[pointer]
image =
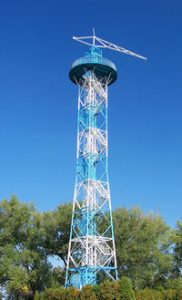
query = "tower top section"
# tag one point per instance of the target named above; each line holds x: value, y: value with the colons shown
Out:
x: 93, y: 60
x: 104, y: 69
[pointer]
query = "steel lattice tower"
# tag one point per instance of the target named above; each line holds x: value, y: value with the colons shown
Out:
x: 91, y: 253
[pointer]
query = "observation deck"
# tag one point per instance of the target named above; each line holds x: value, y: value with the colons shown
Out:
x: 103, y: 68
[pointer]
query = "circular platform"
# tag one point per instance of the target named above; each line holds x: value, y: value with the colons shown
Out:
x: 103, y: 69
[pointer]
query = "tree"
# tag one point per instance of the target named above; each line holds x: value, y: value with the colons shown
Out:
x: 178, y: 250
x: 24, y: 267
x: 58, y: 277
x: 14, y: 218
x: 56, y: 231
x: 143, y: 247
x: 27, y: 239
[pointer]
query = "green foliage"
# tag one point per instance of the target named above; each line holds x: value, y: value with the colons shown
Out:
x: 126, y: 290
x: 88, y: 293
x: 58, y: 277
x: 24, y: 265
x: 72, y: 294
x: 143, y: 247
x: 14, y: 218
x: 37, y: 296
x: 178, y: 250
x: 179, y: 294
x: 54, y: 294
x: 149, y: 294
x: 56, y: 230
x: 174, y: 283
x: 108, y: 290
x: 169, y: 294
x: 61, y: 294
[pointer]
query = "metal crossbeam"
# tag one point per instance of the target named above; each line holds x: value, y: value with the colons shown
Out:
x: 95, y: 41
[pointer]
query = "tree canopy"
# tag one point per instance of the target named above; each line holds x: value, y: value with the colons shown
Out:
x: 143, y: 244
x: 149, y: 252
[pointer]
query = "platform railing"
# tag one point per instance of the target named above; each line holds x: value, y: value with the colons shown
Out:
x: 93, y: 60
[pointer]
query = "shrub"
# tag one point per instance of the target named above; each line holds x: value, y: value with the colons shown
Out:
x: 149, y: 294
x: 71, y: 294
x: 169, y: 294
x: 38, y: 296
x: 126, y: 290
x: 174, y: 283
x: 55, y: 294
x: 108, y: 290
x: 88, y: 293
x: 179, y: 294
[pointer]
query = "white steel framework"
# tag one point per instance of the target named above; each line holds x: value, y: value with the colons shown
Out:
x: 91, y: 247
x: 92, y: 253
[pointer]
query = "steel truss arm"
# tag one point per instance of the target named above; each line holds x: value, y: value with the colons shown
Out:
x: 101, y: 43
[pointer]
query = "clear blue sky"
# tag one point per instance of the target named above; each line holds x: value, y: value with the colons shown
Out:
x: 38, y: 103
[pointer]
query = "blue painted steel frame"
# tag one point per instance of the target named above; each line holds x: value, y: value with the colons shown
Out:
x: 84, y: 219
